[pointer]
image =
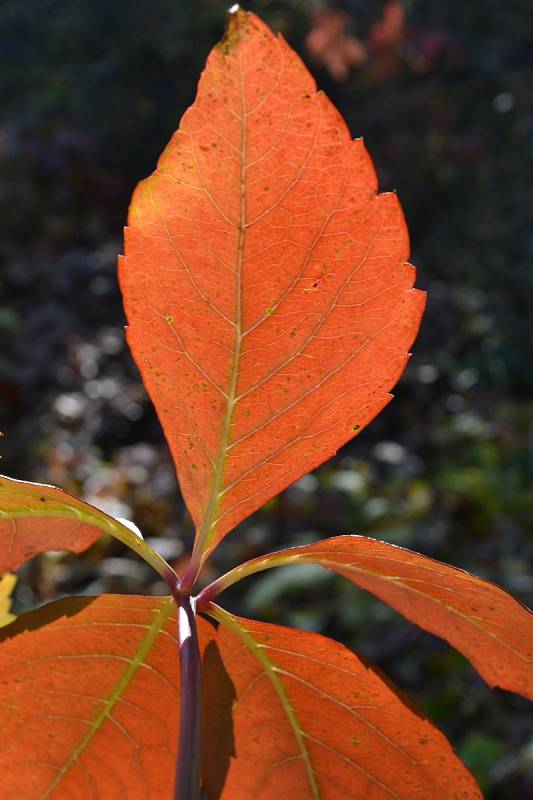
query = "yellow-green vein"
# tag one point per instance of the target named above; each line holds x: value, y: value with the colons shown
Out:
x: 153, y: 631
x: 230, y: 622
x: 207, y: 530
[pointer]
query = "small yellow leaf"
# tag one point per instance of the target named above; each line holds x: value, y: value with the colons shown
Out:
x: 7, y: 584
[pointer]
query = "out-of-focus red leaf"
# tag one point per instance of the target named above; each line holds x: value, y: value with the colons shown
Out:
x: 386, y: 38
x: 90, y: 703
x: 390, y: 30
x: 479, y: 619
x: 331, y: 46
x: 269, y: 303
x: 35, y: 518
x: 311, y: 720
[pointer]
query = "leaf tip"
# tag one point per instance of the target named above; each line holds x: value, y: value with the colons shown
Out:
x: 236, y: 23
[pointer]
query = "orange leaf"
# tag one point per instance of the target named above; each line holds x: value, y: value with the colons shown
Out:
x: 310, y: 721
x: 269, y: 304
x: 90, y: 701
x: 35, y: 518
x: 479, y: 619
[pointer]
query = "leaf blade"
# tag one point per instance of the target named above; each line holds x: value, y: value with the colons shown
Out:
x: 36, y: 517
x: 262, y: 278
x: 375, y: 739
x: 492, y: 629
x: 90, y: 700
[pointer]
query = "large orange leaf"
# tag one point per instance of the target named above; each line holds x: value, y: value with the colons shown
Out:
x: 90, y: 703
x: 483, y: 622
x: 312, y: 722
x: 269, y: 303
x: 35, y: 518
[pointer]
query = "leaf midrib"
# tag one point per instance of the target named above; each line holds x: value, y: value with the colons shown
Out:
x: 400, y: 582
x: 270, y: 670
x: 207, y: 530
x: 102, y: 523
x: 335, y: 566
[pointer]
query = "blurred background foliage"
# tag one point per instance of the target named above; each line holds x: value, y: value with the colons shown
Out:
x: 443, y: 94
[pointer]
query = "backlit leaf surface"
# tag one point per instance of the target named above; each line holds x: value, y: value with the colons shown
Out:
x: 90, y: 703
x: 483, y: 622
x: 312, y: 722
x: 35, y: 518
x: 269, y: 303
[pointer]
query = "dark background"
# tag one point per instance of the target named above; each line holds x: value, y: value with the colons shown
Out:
x: 442, y: 92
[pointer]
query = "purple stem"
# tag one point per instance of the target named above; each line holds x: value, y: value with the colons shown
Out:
x: 190, y: 741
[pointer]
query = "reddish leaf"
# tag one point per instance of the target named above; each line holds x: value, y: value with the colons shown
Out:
x: 35, y: 518
x: 331, y: 46
x: 90, y: 701
x: 391, y: 30
x: 483, y: 622
x: 269, y: 304
x: 311, y: 721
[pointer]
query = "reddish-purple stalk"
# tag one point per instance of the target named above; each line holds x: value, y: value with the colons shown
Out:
x: 189, y: 755
x: 191, y: 573
x: 187, y: 786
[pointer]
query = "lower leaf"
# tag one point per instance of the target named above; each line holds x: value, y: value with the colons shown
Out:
x: 312, y: 722
x: 89, y: 697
